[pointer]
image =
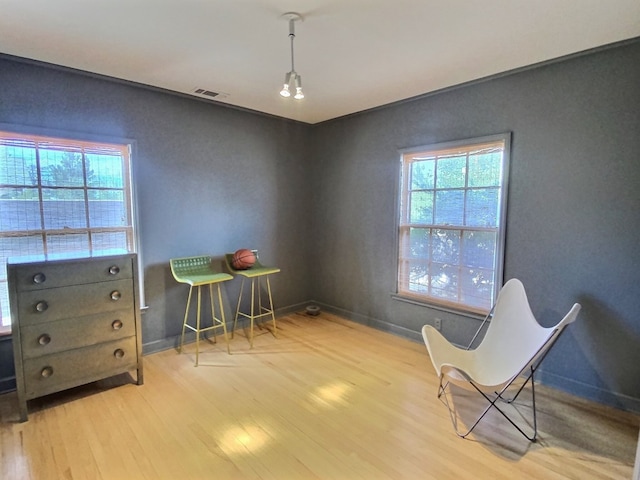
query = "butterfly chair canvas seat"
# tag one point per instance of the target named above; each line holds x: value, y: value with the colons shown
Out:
x: 513, y: 346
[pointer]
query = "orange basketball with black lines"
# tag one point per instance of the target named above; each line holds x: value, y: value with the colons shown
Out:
x: 243, y: 259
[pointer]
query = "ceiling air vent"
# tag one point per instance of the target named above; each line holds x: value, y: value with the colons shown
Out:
x: 203, y: 92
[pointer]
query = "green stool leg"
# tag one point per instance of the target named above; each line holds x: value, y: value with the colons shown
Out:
x: 253, y: 314
x: 213, y: 312
x: 273, y: 316
x: 235, y: 321
x: 224, y: 322
x: 198, y: 326
x: 184, y: 323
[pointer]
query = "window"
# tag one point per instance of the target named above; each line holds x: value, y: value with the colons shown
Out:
x: 60, y: 197
x: 452, y: 223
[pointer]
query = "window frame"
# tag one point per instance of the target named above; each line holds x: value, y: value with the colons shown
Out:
x: 82, y: 141
x: 403, y: 226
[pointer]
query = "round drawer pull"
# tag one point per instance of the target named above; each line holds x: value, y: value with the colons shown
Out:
x: 39, y: 278
x: 44, y: 339
x: 41, y: 306
x: 116, y: 324
x: 115, y: 295
x: 114, y: 270
x: 46, y: 372
x: 119, y: 353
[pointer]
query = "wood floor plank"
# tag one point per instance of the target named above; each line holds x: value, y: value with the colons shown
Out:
x: 327, y: 399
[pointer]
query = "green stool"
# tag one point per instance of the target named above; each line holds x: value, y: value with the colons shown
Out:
x: 197, y: 272
x: 255, y: 273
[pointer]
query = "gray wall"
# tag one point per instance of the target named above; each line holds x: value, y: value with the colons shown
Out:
x: 320, y: 201
x: 209, y: 180
x: 573, y: 209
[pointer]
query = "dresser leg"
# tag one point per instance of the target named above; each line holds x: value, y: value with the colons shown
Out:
x: 22, y: 407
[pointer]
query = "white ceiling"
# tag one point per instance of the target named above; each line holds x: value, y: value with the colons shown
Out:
x: 352, y: 54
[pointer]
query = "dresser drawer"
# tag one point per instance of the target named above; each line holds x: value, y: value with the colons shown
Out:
x: 53, y: 304
x: 37, y: 276
x: 58, y: 371
x: 52, y: 337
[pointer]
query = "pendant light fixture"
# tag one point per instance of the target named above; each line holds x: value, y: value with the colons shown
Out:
x: 292, y: 80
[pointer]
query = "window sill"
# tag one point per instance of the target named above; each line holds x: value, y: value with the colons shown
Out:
x: 441, y: 308
x: 5, y: 331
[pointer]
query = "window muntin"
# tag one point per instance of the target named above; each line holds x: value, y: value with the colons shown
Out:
x: 60, y: 197
x: 452, y: 223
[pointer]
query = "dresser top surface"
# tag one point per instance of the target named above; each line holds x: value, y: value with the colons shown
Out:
x: 69, y: 256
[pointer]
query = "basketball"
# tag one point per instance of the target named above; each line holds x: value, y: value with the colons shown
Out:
x: 243, y: 259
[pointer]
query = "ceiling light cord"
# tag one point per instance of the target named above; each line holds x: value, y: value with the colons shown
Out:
x: 292, y: 36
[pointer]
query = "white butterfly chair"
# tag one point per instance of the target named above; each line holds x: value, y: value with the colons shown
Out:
x: 514, y: 345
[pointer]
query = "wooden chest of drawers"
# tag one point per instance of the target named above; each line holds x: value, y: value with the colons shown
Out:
x: 74, y: 321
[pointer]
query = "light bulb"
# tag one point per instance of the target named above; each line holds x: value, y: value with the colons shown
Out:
x: 298, y: 83
x: 285, y: 91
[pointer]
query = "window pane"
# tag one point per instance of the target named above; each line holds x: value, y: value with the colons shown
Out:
x: 63, y: 208
x: 108, y: 240
x: 19, y: 209
x: 449, y: 207
x: 446, y: 246
x: 418, y: 277
x: 482, y: 207
x: 451, y: 172
x: 485, y: 169
x: 422, y: 174
x: 19, y: 246
x: 421, y: 207
x: 106, y: 171
x: 61, y: 169
x: 68, y: 243
x: 444, y: 281
x: 479, y: 249
x: 18, y: 165
x: 107, y: 208
x: 419, y: 242
x: 476, y: 287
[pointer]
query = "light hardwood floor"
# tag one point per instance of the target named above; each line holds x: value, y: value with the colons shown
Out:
x: 328, y: 399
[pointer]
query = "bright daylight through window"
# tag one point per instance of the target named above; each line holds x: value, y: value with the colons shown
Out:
x: 61, y: 197
x: 452, y: 223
